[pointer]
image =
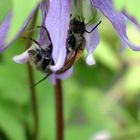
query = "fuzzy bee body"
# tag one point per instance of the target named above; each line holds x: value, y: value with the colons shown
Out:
x: 75, y: 39
x: 41, y: 55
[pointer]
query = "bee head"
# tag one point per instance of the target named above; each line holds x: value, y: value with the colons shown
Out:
x: 77, y: 26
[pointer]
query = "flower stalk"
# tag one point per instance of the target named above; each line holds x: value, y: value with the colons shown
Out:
x: 31, y: 82
x: 59, y: 110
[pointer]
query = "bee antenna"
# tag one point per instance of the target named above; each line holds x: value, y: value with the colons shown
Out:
x: 40, y: 80
x: 32, y: 40
x: 94, y: 27
x: 43, y: 27
x: 46, y: 76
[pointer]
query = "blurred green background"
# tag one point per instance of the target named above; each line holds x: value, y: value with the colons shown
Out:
x: 103, y: 97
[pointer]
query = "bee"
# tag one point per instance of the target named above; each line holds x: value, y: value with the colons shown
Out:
x: 75, y: 42
x: 41, y: 55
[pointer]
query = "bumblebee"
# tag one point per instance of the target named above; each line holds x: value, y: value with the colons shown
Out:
x: 75, y: 42
x: 41, y: 55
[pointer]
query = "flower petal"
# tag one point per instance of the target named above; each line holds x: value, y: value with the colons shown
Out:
x: 22, y: 58
x: 3, y: 46
x: 117, y: 19
x: 4, y: 29
x: 131, y: 19
x: 52, y: 78
x: 92, y: 40
x: 65, y: 74
x: 90, y: 60
x: 43, y: 37
x: 57, y: 22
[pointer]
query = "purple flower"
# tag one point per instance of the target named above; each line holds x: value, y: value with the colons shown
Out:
x: 118, y: 21
x: 3, y: 30
x: 57, y: 20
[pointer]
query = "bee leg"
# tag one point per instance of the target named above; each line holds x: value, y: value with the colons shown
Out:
x: 43, y: 27
x: 94, y: 27
x: 40, y: 80
x: 32, y: 40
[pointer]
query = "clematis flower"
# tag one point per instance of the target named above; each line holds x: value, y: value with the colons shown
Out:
x: 118, y: 21
x: 56, y: 19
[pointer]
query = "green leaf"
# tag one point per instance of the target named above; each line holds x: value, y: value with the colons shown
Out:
x: 5, y: 6
x: 133, y: 34
x: 119, y: 4
x: 11, y: 125
x: 107, y: 56
x: 22, y: 9
x: 13, y: 76
x: 132, y: 7
x: 132, y: 83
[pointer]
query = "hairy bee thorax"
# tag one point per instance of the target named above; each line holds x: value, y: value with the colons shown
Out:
x: 75, y: 39
x: 77, y: 26
x: 41, y: 56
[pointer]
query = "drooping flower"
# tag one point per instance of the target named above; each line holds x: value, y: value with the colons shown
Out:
x: 118, y: 21
x: 56, y: 19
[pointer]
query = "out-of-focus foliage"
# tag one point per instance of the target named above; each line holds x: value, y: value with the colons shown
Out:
x: 102, y: 97
x: 5, y: 6
x: 132, y: 7
x: 21, y: 11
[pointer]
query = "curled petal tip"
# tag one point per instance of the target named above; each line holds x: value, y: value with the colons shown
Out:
x: 58, y: 14
x: 59, y: 64
x: 90, y: 60
x: 54, y: 68
x: 22, y: 58
x: 117, y: 19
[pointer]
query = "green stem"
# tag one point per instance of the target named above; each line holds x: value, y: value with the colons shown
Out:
x: 59, y: 109
x: 34, y: 102
x: 31, y: 82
